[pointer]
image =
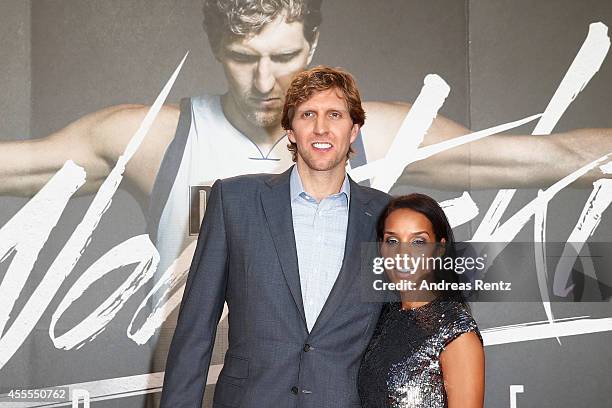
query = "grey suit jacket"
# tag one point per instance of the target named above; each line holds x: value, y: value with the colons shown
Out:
x: 246, y: 255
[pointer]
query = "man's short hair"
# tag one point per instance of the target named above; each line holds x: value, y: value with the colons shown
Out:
x: 239, y: 18
x: 318, y: 79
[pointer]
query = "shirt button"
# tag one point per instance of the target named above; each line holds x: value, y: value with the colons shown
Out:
x: 294, y: 390
x: 307, y: 347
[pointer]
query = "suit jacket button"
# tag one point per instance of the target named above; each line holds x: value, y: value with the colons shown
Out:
x: 294, y: 390
x: 307, y: 347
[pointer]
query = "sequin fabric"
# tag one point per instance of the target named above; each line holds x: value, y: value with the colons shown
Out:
x: 401, y: 366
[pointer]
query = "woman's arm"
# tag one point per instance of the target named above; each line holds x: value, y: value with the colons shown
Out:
x: 463, y: 366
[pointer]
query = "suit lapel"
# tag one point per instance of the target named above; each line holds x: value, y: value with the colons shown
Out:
x: 359, y: 224
x: 277, y: 207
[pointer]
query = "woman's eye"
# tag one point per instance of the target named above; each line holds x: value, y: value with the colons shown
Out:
x: 392, y: 241
x: 419, y: 241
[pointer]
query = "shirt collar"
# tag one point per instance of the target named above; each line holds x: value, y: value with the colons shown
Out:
x: 296, y: 187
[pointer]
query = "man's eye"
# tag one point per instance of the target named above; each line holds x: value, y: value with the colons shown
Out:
x: 335, y: 115
x: 308, y: 114
x: 283, y: 57
x: 242, y: 58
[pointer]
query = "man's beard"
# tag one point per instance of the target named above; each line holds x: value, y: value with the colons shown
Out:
x: 257, y: 115
x: 265, y: 118
x: 312, y: 163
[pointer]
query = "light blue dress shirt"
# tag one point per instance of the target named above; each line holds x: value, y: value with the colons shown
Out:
x: 320, y: 237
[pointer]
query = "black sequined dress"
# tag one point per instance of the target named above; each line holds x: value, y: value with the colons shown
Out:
x: 401, y: 366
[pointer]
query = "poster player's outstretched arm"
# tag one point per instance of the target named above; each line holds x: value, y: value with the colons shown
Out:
x: 497, y: 161
x: 94, y: 142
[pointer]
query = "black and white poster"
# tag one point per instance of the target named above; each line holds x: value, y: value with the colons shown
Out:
x: 118, y: 115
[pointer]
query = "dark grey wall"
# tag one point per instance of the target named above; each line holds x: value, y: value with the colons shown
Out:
x: 15, y: 79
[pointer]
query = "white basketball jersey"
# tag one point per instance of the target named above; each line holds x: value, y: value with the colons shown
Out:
x: 213, y: 149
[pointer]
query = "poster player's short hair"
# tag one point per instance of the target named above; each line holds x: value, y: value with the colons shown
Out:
x: 239, y: 18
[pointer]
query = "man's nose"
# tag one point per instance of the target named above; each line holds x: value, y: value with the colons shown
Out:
x: 321, y: 125
x: 264, y: 77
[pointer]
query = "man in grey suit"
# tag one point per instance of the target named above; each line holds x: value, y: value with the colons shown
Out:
x: 284, y: 252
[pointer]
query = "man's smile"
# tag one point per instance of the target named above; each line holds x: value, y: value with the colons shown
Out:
x: 322, y: 146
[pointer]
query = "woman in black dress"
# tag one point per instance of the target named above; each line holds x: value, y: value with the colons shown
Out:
x: 426, y: 351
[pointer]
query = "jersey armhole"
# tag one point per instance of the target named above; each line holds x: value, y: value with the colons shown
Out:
x: 168, y: 169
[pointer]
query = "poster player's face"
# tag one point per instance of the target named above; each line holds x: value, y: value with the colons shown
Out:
x: 259, y: 69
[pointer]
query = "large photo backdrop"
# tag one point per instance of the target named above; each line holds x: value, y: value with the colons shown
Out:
x: 86, y: 306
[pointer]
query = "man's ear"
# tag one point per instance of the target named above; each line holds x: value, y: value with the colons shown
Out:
x: 313, y: 47
x: 354, y: 132
x: 290, y: 136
